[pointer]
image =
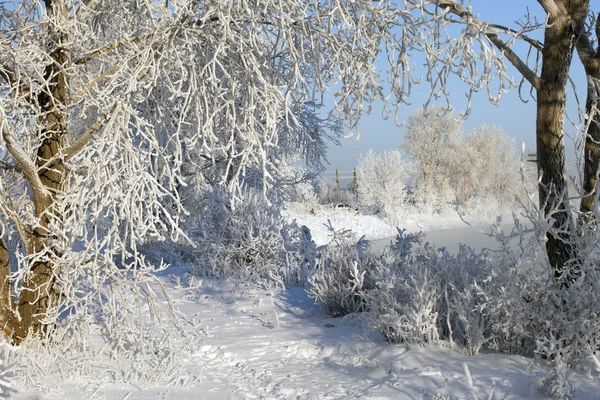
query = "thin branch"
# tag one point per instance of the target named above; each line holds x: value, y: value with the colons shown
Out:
x: 131, y: 40
x: 457, y: 9
x: 536, y: 44
x: 12, y: 80
x: 25, y: 236
x: 93, y: 83
x: 76, y: 147
x: 112, y: 46
x: 8, y: 75
x: 6, y: 166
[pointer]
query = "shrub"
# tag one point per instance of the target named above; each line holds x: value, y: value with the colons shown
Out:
x: 342, y: 275
x: 249, y: 240
x: 419, y: 294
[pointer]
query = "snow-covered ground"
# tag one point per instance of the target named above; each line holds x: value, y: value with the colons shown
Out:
x: 257, y: 343
x: 442, y: 231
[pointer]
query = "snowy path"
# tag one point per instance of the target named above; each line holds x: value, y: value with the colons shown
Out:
x: 275, y: 344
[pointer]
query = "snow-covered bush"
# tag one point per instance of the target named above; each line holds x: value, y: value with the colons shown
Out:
x: 326, y: 192
x: 426, y: 295
x: 421, y: 294
x: 342, y: 275
x: 249, y: 239
x: 382, y: 180
x: 405, y: 297
x: 304, y: 192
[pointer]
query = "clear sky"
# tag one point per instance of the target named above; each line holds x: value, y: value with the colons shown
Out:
x: 515, y: 117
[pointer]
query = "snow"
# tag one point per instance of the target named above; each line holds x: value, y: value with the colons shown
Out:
x: 258, y: 343
x: 448, y: 230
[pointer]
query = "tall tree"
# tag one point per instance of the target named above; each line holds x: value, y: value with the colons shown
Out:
x: 106, y: 105
x: 548, y: 76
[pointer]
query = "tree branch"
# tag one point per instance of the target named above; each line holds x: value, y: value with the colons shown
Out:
x: 76, y: 147
x: 550, y: 7
x: 10, y: 167
x: 452, y: 7
x: 93, y: 83
x: 116, y: 45
x: 12, y: 80
x: 112, y: 46
x: 40, y: 193
x: 515, y: 60
x: 25, y: 236
x: 536, y: 44
x: 587, y: 54
x: 8, y: 75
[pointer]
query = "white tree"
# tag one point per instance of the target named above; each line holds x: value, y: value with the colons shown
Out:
x: 428, y: 138
x: 383, y: 180
x: 484, y: 163
x: 107, y: 106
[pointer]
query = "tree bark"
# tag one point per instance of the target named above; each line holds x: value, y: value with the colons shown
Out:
x: 560, y: 37
x: 592, y: 141
x: 590, y: 58
x: 38, y: 293
x: 8, y: 320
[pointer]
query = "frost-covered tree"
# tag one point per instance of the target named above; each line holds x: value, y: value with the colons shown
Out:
x: 428, y: 139
x: 106, y: 106
x: 484, y: 163
x: 488, y: 47
x: 383, y: 180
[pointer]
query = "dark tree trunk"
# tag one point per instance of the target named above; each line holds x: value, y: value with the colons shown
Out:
x: 560, y: 37
x: 590, y: 58
x: 592, y: 149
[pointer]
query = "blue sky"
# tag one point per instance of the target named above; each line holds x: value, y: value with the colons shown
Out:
x: 515, y: 117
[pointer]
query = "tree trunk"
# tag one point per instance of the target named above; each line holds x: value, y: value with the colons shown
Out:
x: 559, y: 42
x: 592, y: 150
x: 8, y: 320
x: 38, y: 293
x: 590, y: 58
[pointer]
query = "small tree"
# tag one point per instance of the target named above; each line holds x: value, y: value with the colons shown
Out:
x: 428, y: 138
x: 484, y: 163
x: 382, y: 180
